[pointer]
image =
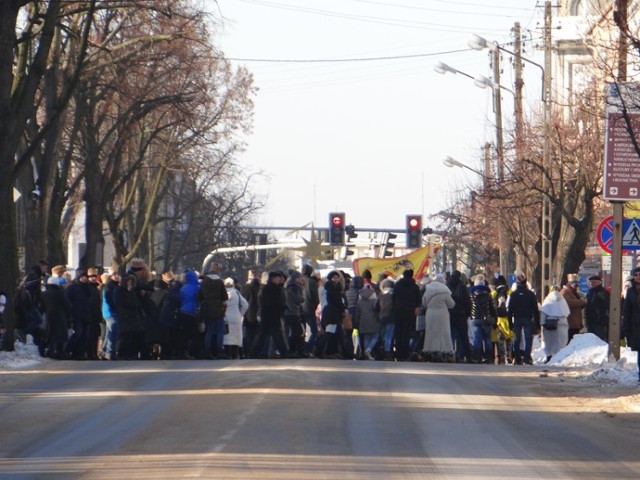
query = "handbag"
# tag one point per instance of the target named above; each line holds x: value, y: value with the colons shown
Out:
x: 347, y: 321
x: 551, y: 323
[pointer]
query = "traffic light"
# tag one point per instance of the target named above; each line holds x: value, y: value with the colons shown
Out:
x: 414, y: 231
x: 336, y: 229
x: 260, y: 256
x: 351, y: 232
x: 387, y: 252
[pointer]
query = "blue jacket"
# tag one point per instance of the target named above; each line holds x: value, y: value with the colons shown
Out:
x: 189, y: 293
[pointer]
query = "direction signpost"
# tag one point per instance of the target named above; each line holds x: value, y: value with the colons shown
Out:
x: 621, y: 170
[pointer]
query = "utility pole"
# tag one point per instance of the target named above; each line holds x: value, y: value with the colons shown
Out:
x: 497, y: 105
x: 519, y: 120
x: 519, y: 83
x: 547, y: 231
x: 621, y: 19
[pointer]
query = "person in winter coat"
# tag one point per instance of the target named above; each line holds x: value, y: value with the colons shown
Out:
x: 555, y: 326
x: 58, y: 312
x: 525, y: 316
x: 332, y: 313
x: 484, y: 320
x: 503, y: 334
x: 168, y: 319
x: 80, y: 295
x: 150, y: 311
x: 188, y: 316
x: 309, y: 306
x: 29, y: 307
x: 368, y: 320
x: 273, y: 303
x: 132, y: 328
x: 251, y: 326
x: 576, y: 303
x: 237, y: 306
x: 597, y: 309
x: 294, y: 290
x: 406, y: 305
x: 110, y: 315
x: 213, y: 296
x: 458, y: 317
x: 631, y: 315
x: 437, y: 300
x: 352, y: 294
x: 417, y: 338
x: 384, y: 306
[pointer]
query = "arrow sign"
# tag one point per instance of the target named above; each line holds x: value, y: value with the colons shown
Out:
x: 630, y: 234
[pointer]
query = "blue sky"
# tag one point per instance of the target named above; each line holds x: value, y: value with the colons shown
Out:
x: 364, y: 136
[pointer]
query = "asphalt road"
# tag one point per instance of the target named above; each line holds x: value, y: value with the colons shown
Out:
x: 308, y: 419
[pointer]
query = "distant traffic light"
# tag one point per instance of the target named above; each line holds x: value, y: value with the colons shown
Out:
x: 351, y: 232
x: 414, y: 231
x: 336, y: 229
x: 260, y: 256
x: 388, y: 246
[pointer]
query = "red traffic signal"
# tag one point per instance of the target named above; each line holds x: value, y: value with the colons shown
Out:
x: 414, y: 231
x: 336, y: 229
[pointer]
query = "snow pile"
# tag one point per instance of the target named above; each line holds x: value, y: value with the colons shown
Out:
x: 584, y: 350
x: 25, y: 355
x: 588, y: 351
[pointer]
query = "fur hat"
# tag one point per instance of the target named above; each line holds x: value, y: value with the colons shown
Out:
x: 58, y: 270
x: 228, y: 282
x: 479, y: 280
x: 572, y: 278
x: 595, y: 277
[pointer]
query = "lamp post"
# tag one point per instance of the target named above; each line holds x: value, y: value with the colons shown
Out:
x: 478, y: 43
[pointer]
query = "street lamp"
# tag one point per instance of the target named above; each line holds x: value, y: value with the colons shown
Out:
x: 452, y: 162
x: 478, y: 43
x: 443, y: 68
x: 484, y: 82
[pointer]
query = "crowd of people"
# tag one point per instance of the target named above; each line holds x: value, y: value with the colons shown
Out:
x: 133, y: 314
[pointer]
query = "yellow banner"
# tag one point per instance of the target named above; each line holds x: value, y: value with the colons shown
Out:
x: 418, y: 261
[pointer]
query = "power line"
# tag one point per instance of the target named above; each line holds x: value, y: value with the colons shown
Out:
x: 336, y: 60
x: 367, y: 18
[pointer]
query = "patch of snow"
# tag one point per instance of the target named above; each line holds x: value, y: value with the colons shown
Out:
x: 25, y: 355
